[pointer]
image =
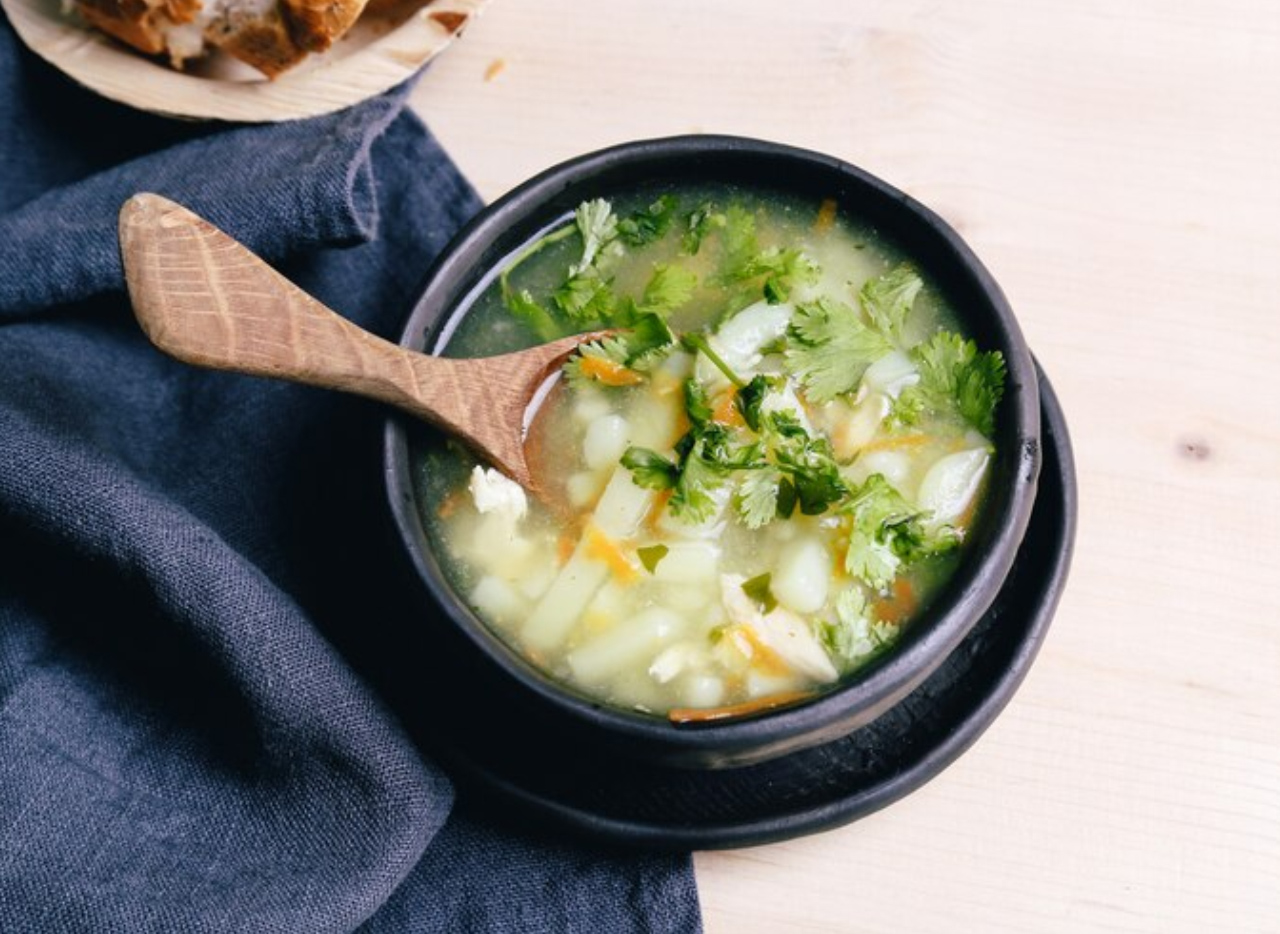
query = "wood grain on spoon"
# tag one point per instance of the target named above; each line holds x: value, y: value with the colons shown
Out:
x: 205, y: 299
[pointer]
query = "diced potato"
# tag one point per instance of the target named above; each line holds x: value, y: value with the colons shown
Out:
x: 536, y: 581
x: 951, y: 483
x: 802, y: 574
x: 495, y: 599
x: 688, y: 562
x: 701, y: 690
x: 759, y: 684
x: 895, y: 466
x: 653, y: 421
x: 605, y: 441
x: 676, y: 658
x: 583, y: 488
x: 496, y: 545
x: 631, y: 643
x: 622, y: 506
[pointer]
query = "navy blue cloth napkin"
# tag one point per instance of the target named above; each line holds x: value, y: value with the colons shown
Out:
x: 207, y: 717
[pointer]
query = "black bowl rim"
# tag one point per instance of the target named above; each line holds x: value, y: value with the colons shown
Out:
x: 776, y: 732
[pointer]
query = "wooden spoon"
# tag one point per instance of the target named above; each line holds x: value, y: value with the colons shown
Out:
x: 205, y: 299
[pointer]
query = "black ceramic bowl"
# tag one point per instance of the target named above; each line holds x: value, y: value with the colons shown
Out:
x: 509, y: 700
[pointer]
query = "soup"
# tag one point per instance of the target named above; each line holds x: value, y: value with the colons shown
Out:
x: 759, y: 481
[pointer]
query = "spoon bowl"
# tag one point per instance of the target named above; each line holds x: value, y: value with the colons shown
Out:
x: 206, y: 299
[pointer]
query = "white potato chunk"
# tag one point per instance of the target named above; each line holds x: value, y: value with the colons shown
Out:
x: 589, y: 404
x: 894, y: 466
x: 701, y: 691
x: 739, y: 340
x: 951, y: 483
x: 801, y: 575
x: 497, y: 600
x: 891, y: 374
x: 759, y: 684
x: 583, y: 488
x: 688, y: 562
x: 632, y: 643
x: 622, y: 505
x: 604, y: 441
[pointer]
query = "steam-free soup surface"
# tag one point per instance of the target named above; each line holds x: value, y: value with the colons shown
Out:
x: 765, y: 477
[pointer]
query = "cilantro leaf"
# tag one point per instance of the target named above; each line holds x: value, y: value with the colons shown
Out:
x: 954, y: 372
x: 829, y: 348
x: 758, y: 590
x: 696, y: 404
x: 886, y: 300
x: 647, y: 340
x: 650, y: 555
x: 668, y: 289
x: 585, y: 297
x: 698, y: 225
x: 783, y: 270
x: 694, y: 500
x: 523, y: 305
x: 650, y: 469
x: 627, y: 354
x: 853, y: 637
x: 888, y: 532
x: 808, y: 462
x: 648, y: 224
x: 598, y: 226
x: 720, y: 449
x: 751, y: 396
x: 756, y: 498
x: 739, y: 238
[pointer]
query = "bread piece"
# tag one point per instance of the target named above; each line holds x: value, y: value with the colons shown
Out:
x: 270, y: 35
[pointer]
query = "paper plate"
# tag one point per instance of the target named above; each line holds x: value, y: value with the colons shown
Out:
x: 385, y: 47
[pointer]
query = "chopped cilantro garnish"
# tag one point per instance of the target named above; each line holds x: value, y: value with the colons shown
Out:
x: 694, y: 499
x: 698, y: 224
x: 585, y: 297
x: 650, y: 469
x: 758, y: 590
x: 631, y: 352
x: 523, y: 305
x: 886, y: 300
x: 953, y: 371
x: 696, y: 404
x: 782, y: 270
x: 751, y: 396
x: 650, y: 555
x: 888, y: 532
x: 853, y: 636
x: 598, y: 226
x: 739, y: 238
x: 648, y: 224
x: 668, y: 289
x: 756, y: 498
x: 830, y: 348
x: 808, y: 462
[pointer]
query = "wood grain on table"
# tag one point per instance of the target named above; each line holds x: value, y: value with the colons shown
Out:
x: 1118, y: 169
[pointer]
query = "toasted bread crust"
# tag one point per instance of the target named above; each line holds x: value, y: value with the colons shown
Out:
x: 271, y: 42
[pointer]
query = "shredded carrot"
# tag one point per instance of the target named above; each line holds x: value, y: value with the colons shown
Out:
x: 826, y: 216
x: 900, y: 605
x: 725, y: 412
x: 449, y: 505
x: 896, y: 442
x: 682, y: 715
x: 760, y: 655
x: 565, y: 545
x: 608, y: 372
x: 496, y: 67
x: 656, y: 509
x: 604, y: 549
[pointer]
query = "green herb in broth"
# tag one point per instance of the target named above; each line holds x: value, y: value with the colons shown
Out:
x: 771, y: 468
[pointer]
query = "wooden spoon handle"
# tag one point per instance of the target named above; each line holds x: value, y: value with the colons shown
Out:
x: 206, y: 299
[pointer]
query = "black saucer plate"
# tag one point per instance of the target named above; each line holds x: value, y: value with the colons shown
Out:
x: 624, y: 801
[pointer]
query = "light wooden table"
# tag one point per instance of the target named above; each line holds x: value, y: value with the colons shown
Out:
x: 1117, y: 166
